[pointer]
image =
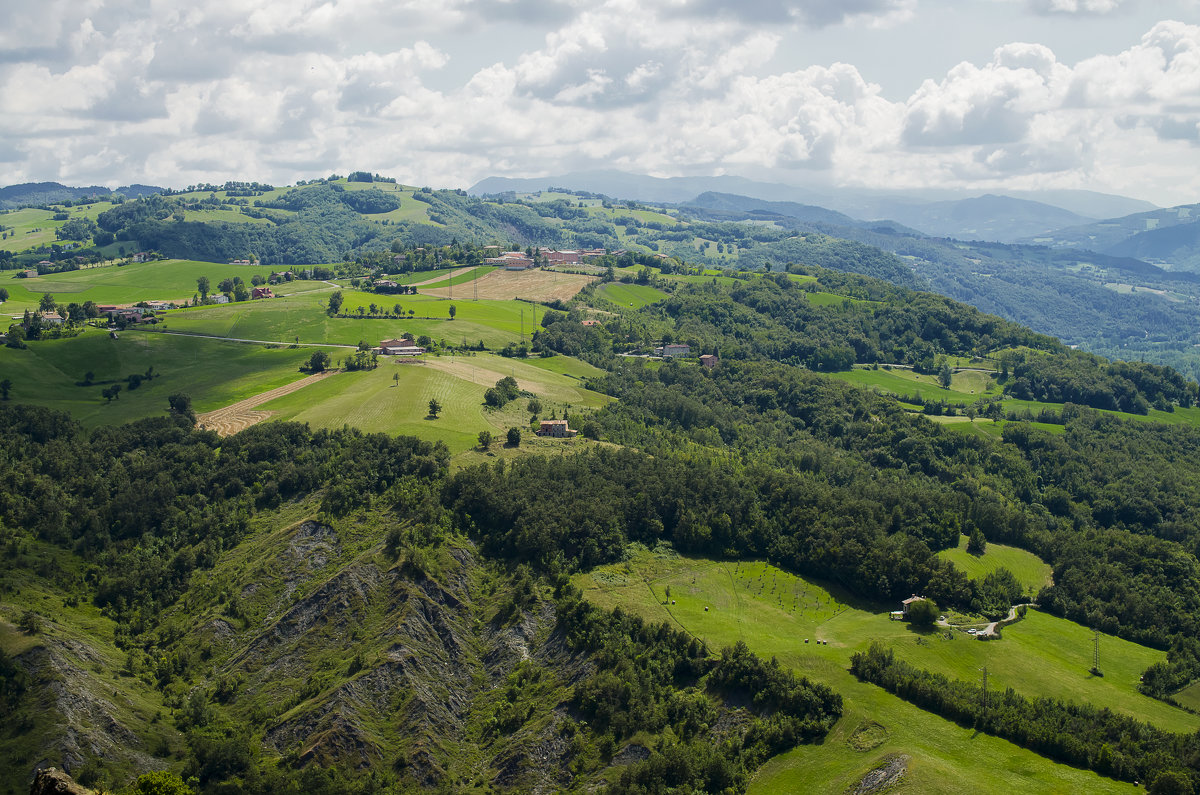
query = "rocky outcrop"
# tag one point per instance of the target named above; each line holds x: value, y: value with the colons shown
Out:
x: 51, y: 781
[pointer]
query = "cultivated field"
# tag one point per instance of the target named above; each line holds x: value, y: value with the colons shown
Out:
x: 530, y: 285
x: 775, y: 612
x: 241, y: 415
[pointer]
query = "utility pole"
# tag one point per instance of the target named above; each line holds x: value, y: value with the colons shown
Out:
x: 1096, y: 652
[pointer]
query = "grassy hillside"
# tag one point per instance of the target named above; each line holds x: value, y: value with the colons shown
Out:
x: 214, y: 373
x: 1033, y: 573
x: 374, y: 401
x: 631, y: 295
x: 775, y: 612
x: 965, y: 386
x: 164, y: 280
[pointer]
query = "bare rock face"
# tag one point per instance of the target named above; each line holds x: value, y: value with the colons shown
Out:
x: 55, y: 782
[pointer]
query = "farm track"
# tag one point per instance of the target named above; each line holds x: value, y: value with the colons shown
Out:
x: 241, y: 415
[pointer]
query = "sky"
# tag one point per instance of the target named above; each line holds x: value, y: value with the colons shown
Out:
x: 965, y: 94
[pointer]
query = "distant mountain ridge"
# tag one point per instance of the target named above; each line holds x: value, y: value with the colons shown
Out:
x: 941, y: 213
x: 1169, y: 236
x: 1002, y: 219
x: 28, y: 193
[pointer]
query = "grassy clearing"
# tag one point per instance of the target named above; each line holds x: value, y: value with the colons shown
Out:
x: 832, y: 299
x: 632, y: 295
x: 1180, y: 416
x: 775, y: 612
x: 375, y: 401
x: 1190, y: 696
x: 965, y: 387
x: 1028, y: 568
x: 164, y: 280
x: 214, y: 373
x: 222, y: 214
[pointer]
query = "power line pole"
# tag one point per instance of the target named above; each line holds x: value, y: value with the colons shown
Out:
x: 1096, y: 652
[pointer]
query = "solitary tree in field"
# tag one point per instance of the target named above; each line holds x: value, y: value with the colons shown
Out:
x: 335, y: 302
x: 435, y: 408
x: 5, y: 387
x: 396, y: 379
x: 514, y: 437
x: 923, y: 613
x: 485, y: 439
x: 3, y: 295
x: 202, y: 285
x: 453, y: 311
x: 976, y: 543
x: 318, y: 361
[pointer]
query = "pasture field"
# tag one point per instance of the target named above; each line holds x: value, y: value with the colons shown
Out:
x: 1030, y: 570
x: 775, y: 612
x: 215, y: 373
x: 165, y: 280
x: 631, y: 295
x: 965, y: 386
x: 374, y: 401
x: 531, y: 285
x: 28, y: 228
x: 283, y: 319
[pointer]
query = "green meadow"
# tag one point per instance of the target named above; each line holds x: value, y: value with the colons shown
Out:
x: 778, y: 614
x: 1030, y: 570
x: 966, y: 386
x: 214, y: 372
x: 28, y: 228
x: 164, y: 280
x: 394, y: 398
x: 283, y: 319
x: 631, y: 295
